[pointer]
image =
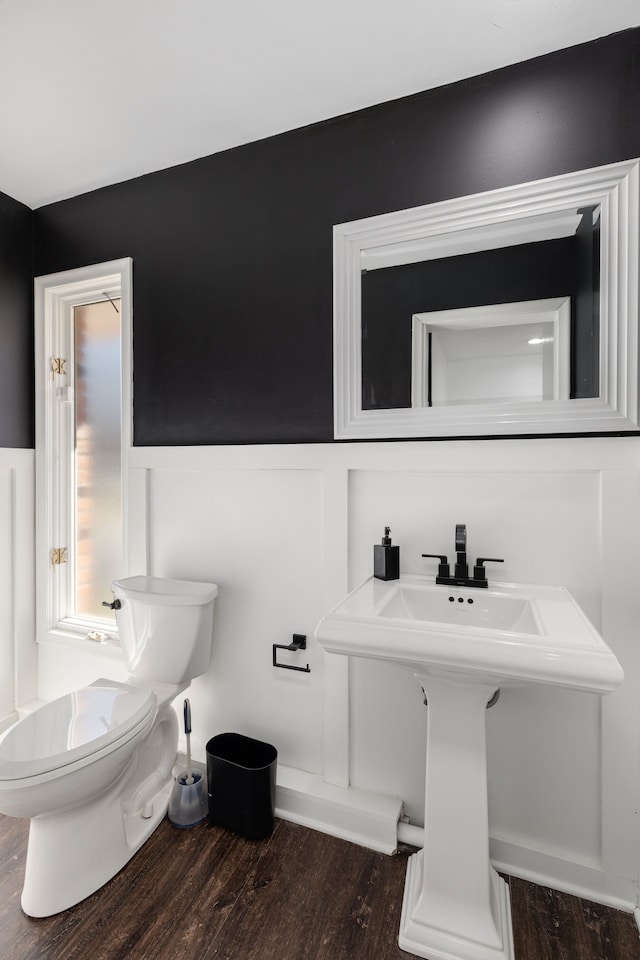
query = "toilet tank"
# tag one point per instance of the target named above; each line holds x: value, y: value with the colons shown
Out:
x: 165, y: 627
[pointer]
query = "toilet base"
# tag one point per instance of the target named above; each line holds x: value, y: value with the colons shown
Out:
x: 74, y: 852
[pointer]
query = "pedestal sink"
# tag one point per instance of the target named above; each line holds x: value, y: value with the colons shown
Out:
x: 462, y: 644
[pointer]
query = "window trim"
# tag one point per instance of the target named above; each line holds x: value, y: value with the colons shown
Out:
x: 55, y: 295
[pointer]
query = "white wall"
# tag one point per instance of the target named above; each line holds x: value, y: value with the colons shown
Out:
x: 493, y: 379
x: 285, y: 531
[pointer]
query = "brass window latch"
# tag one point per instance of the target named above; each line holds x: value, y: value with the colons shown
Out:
x: 58, y: 555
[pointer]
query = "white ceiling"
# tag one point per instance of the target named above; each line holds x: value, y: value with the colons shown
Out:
x: 95, y: 92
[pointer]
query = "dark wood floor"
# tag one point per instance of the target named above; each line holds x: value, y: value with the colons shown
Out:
x: 204, y: 893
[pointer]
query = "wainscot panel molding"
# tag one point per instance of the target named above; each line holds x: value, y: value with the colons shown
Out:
x: 620, y: 729
x: 17, y: 622
x: 578, y: 879
x: 286, y: 530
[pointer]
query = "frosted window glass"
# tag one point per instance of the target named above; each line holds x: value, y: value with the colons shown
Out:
x: 98, y: 501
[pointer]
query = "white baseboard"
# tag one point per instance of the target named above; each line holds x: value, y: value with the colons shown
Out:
x: 577, y: 879
x: 364, y: 818
x: 372, y: 821
x: 367, y: 819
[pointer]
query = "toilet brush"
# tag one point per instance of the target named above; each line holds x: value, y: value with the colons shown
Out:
x: 187, y: 734
x: 188, y: 803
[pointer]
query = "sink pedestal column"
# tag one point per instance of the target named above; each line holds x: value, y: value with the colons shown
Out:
x: 455, y: 906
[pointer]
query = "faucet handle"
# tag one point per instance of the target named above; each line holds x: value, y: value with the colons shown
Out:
x: 443, y: 566
x: 479, y: 572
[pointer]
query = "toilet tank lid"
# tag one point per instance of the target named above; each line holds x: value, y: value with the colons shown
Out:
x: 72, y: 727
x: 164, y: 591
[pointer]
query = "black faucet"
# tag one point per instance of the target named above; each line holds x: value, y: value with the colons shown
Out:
x: 461, y: 576
x: 461, y: 567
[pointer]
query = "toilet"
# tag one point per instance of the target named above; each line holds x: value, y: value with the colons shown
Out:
x: 93, y: 769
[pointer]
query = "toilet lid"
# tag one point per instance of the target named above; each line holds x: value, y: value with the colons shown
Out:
x: 168, y: 593
x: 72, y: 727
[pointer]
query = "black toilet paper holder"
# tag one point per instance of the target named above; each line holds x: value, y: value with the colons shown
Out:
x: 299, y: 642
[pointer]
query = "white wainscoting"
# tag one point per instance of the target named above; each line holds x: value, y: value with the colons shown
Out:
x: 17, y: 629
x: 286, y: 530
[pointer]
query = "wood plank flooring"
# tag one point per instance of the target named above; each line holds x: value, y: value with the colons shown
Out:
x: 205, y: 894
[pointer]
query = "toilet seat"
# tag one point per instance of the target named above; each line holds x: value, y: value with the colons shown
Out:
x: 74, y: 727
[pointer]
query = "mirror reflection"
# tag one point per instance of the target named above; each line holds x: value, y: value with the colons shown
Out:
x: 440, y: 329
x: 495, y: 354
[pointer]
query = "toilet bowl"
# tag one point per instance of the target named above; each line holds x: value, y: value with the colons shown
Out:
x: 93, y: 769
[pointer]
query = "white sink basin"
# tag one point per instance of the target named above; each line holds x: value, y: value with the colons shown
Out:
x: 462, y: 643
x: 508, y: 633
x: 493, y: 611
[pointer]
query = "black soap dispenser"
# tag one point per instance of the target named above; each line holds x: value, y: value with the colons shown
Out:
x: 386, y: 559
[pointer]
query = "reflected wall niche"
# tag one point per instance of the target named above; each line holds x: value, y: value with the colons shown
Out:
x: 512, y: 312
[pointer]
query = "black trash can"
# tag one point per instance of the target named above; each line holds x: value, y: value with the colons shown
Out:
x: 241, y: 775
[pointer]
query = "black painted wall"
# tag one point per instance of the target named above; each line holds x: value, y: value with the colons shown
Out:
x: 233, y: 253
x: 16, y: 325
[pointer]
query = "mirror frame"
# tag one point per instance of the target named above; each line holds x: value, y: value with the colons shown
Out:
x: 615, y: 188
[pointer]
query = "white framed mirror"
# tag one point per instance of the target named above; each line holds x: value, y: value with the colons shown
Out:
x: 456, y: 279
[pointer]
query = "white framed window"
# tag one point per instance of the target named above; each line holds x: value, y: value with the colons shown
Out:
x: 83, y: 341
